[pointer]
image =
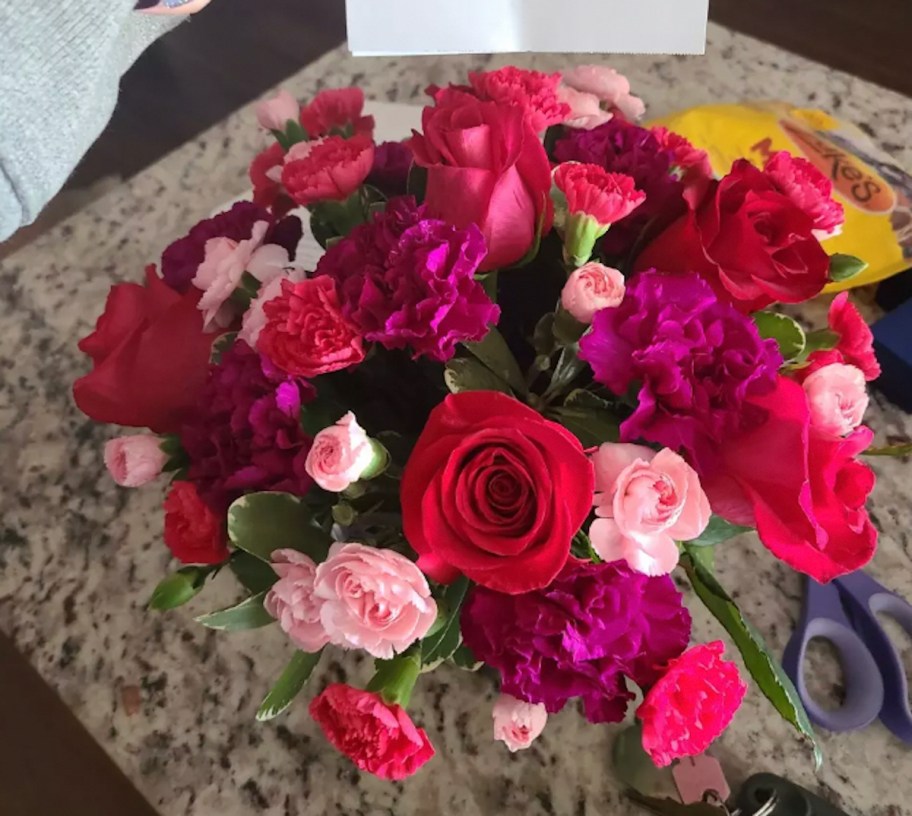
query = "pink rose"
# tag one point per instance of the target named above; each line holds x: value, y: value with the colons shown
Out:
x: 691, y: 704
x: 592, y: 287
x: 224, y: 265
x: 255, y: 317
x: 292, y: 602
x: 586, y: 110
x: 837, y: 399
x: 516, y: 723
x: 275, y: 113
x: 645, y: 502
x: 134, y: 460
x: 376, y: 600
x: 339, y: 455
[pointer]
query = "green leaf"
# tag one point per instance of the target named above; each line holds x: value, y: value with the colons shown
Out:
x: 581, y: 547
x: 289, y: 685
x: 633, y: 767
x: 253, y: 574
x: 220, y: 346
x: 785, y: 331
x: 416, y: 184
x: 568, y: 368
x: 588, y: 417
x: 767, y: 672
x: 820, y: 340
x: 248, y: 614
x: 902, y: 449
x: 468, y: 374
x: 447, y: 637
x: 395, y: 679
x: 259, y: 523
x: 322, y: 231
x: 495, y: 354
x: 464, y: 658
x: 717, y: 531
x: 845, y: 267
x: 567, y: 329
x: 178, y: 588
x: 543, y: 336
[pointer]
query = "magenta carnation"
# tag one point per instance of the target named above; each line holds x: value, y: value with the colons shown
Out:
x: 407, y: 280
x: 182, y: 258
x: 697, y: 361
x: 246, y: 434
x: 594, y: 626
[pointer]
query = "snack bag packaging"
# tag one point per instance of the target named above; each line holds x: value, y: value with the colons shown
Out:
x: 875, y: 191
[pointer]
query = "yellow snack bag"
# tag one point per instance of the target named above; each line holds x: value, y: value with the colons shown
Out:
x: 875, y: 191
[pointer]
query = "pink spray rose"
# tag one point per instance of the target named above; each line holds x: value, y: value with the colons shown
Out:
x: 837, y: 399
x: 609, y: 86
x: 376, y: 600
x: 339, y: 455
x: 274, y: 113
x: 292, y: 602
x: 592, y: 287
x: 516, y: 723
x: 134, y: 460
x: 691, y: 705
x: 645, y: 502
x: 586, y: 110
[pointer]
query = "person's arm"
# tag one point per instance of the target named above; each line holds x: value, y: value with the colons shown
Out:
x: 60, y: 67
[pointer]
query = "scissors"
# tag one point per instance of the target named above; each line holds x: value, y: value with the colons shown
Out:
x: 844, y: 612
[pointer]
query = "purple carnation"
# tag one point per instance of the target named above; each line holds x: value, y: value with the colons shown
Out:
x: 697, y: 360
x: 621, y: 147
x: 407, y: 280
x: 182, y: 258
x: 390, y: 171
x: 246, y: 434
x: 582, y: 636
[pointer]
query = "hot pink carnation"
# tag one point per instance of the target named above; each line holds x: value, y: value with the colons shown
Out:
x: 291, y: 600
x: 691, y: 705
x: 533, y: 91
x: 332, y: 170
x: 809, y: 189
x: 603, y: 196
x: 856, y: 342
x: 379, y: 738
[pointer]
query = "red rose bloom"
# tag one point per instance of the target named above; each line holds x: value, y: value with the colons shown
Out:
x: 486, y: 166
x: 150, y: 354
x: 750, y: 241
x: 603, y: 196
x: 305, y: 333
x: 332, y: 169
x: 336, y: 109
x: 533, y: 91
x: 494, y: 491
x: 193, y: 533
x: 265, y: 170
x: 379, y: 738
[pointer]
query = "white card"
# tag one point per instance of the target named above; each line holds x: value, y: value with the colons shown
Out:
x: 391, y: 27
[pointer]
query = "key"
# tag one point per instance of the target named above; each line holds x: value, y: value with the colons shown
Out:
x: 792, y: 799
x: 669, y: 807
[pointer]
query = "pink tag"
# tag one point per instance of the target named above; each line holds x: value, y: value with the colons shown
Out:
x: 695, y: 776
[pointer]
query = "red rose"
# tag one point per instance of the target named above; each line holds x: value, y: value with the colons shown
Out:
x: 193, y: 533
x: 336, y: 109
x: 748, y: 240
x: 805, y: 493
x: 494, y: 491
x: 265, y: 172
x: 379, y: 738
x: 305, y: 333
x: 150, y: 354
x: 485, y: 166
x: 331, y: 169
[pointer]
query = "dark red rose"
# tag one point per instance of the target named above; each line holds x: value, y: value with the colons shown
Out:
x: 486, y: 166
x: 494, y: 491
x: 750, y: 241
x: 150, y: 354
x: 193, y: 533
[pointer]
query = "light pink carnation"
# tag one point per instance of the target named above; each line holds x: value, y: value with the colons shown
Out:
x: 516, y: 723
x: 592, y: 287
x: 291, y: 600
x: 255, y: 317
x: 339, y: 455
x: 837, y: 399
x: 224, y: 265
x: 645, y: 502
x: 134, y: 460
x: 372, y: 599
x: 609, y: 86
x: 586, y: 110
x: 274, y: 113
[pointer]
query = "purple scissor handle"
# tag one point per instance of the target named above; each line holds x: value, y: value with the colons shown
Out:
x: 844, y: 613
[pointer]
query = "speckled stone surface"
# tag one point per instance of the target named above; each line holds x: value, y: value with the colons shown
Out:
x: 173, y: 703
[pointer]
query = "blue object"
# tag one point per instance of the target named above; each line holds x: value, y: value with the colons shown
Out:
x: 893, y: 346
x: 844, y: 612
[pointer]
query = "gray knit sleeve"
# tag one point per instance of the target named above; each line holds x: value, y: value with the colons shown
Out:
x: 60, y: 67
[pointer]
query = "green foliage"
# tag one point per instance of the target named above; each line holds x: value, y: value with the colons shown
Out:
x: 784, y: 330
x: 259, y: 523
x: 253, y: 574
x: 717, y: 531
x: 395, y: 679
x: 248, y: 614
x: 495, y: 355
x: 845, y: 267
x: 469, y: 374
x: 446, y: 636
x: 589, y: 417
x: 179, y: 587
x: 289, y: 685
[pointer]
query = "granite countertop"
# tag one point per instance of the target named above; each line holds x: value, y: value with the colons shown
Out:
x: 172, y: 702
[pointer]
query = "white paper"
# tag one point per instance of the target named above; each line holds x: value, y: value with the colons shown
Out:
x: 392, y: 27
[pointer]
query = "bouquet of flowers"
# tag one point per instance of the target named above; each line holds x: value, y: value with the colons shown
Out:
x: 534, y: 372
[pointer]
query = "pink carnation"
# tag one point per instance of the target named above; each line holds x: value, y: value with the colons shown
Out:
x: 856, y: 342
x: 255, y: 317
x: 372, y: 599
x: 605, y: 197
x: 689, y: 163
x: 339, y: 455
x: 292, y: 603
x: 691, y: 705
x: 590, y: 288
x: 609, y: 86
x: 837, y: 399
x: 533, y: 91
x: 336, y: 109
x: 331, y: 170
x: 586, y: 110
x: 809, y: 190
x: 134, y: 460
x: 517, y: 723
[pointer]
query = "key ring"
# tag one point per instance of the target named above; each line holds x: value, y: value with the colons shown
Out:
x: 713, y: 798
